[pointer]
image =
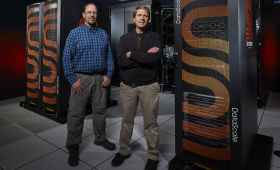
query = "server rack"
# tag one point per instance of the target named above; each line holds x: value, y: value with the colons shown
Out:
x: 216, y: 83
x: 33, y: 60
x: 58, y: 18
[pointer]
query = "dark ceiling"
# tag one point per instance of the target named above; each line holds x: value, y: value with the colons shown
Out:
x: 113, y: 2
x: 13, y: 12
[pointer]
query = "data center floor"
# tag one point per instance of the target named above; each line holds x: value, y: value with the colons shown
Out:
x: 30, y: 141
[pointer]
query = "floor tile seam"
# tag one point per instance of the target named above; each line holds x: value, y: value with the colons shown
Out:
x: 36, y: 159
x: 105, y: 160
x: 7, y: 126
x: 88, y: 135
x: 168, y: 116
x: 167, y: 121
x: 136, y: 140
x: 24, y: 129
x: 164, y: 100
x: 259, y: 123
x: 88, y: 128
x: 48, y: 141
x: 114, y: 123
x: 166, y: 133
x: 7, y: 119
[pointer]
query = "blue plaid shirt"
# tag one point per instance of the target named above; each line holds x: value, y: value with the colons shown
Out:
x: 87, y: 50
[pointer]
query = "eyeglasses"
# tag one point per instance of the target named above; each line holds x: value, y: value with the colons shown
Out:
x: 90, y: 12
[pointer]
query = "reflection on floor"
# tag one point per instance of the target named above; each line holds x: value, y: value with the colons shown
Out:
x: 30, y: 141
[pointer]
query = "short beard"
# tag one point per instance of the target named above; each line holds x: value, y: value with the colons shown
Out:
x: 92, y: 25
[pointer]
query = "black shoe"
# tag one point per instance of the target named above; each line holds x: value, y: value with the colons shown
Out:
x: 73, y: 159
x: 151, y: 165
x: 119, y: 159
x: 106, y: 144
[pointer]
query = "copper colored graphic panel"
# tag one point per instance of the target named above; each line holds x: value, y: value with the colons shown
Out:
x: 205, y: 78
x: 32, y: 69
x: 49, y: 71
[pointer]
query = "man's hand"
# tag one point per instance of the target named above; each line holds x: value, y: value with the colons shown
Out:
x: 77, y: 87
x: 153, y: 50
x: 106, y: 81
x: 128, y: 54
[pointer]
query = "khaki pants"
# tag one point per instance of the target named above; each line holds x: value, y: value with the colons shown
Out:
x: 148, y: 96
x: 77, y: 106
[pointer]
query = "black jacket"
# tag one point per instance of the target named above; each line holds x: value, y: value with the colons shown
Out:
x: 142, y: 67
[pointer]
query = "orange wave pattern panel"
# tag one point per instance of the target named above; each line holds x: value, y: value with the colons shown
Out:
x: 222, y: 101
x: 34, y: 75
x: 49, y: 54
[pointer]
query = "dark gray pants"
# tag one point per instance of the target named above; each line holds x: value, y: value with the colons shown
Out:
x: 77, y: 106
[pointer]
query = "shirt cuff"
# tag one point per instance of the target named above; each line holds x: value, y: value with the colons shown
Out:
x: 72, y: 79
x: 109, y: 76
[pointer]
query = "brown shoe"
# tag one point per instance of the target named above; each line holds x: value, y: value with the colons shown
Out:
x: 73, y: 159
x: 119, y: 159
x: 151, y: 165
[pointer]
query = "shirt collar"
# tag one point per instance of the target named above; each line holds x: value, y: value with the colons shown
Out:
x: 146, y: 30
x: 85, y: 26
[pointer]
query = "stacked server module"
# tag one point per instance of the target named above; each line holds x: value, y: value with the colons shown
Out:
x: 48, y: 26
x: 50, y: 83
x: 33, y: 65
x: 216, y: 83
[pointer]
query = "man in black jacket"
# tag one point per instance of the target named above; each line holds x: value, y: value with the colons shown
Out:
x: 138, y: 56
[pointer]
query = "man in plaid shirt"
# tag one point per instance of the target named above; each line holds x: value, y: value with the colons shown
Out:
x: 88, y: 65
